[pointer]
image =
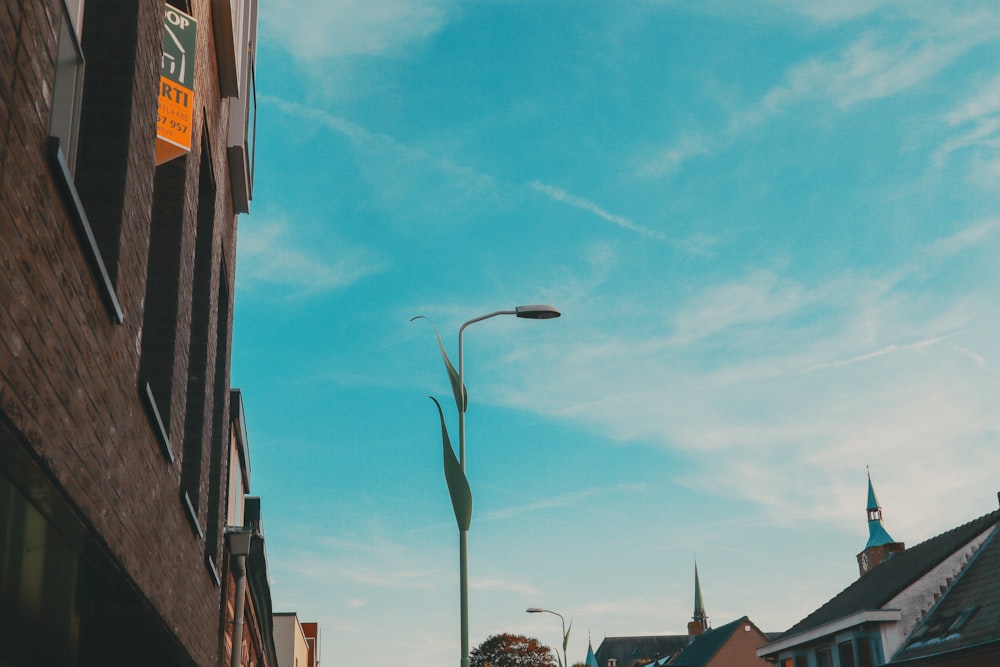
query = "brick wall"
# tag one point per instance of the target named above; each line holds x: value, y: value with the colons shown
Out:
x: 741, y: 649
x: 69, y: 371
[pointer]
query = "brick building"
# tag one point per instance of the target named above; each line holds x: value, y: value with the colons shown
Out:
x: 118, y: 226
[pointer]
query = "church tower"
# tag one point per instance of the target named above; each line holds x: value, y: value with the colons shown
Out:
x: 880, y: 544
x: 699, y: 622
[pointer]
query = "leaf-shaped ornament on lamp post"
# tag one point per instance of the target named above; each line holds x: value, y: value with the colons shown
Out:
x: 461, y: 396
x: 458, y: 485
x: 454, y: 469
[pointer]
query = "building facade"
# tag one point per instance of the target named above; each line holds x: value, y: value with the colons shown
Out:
x: 290, y: 639
x: 117, y: 266
x: 909, y: 606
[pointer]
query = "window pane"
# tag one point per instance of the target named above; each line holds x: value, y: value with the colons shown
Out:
x: 68, y: 92
x: 845, y: 651
x: 865, y: 652
x: 824, y: 658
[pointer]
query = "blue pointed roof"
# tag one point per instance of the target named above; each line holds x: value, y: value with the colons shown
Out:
x: 872, y: 500
x: 591, y: 658
x: 877, y: 534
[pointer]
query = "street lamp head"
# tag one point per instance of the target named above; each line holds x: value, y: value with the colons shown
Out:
x: 537, y: 312
x: 534, y: 610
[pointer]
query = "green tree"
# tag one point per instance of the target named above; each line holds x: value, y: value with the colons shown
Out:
x: 507, y: 650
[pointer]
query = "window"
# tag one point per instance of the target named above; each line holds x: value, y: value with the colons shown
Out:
x: 160, y: 313
x: 824, y: 657
x: 865, y: 653
x: 225, y: 438
x: 67, y: 95
x: 845, y: 651
x: 91, y: 128
x: 199, y: 410
x: 243, y: 110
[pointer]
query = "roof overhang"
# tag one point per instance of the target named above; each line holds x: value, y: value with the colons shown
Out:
x: 831, y: 628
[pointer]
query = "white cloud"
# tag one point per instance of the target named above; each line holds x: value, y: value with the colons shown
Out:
x: 915, y: 43
x: 968, y: 237
x: 271, y: 255
x: 758, y: 297
x: 977, y: 121
x: 777, y: 392
x: 670, y: 159
x: 408, y: 182
x: 320, y: 29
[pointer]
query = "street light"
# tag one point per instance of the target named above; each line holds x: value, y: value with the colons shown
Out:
x: 536, y: 610
x: 458, y: 486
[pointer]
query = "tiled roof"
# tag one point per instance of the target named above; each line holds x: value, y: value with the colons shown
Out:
x: 706, y: 645
x: 625, y: 650
x: 891, y: 577
x: 969, y: 613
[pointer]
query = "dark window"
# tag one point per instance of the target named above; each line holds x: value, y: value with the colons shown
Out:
x: 91, y: 128
x: 845, y: 651
x: 198, y: 414
x: 220, y: 422
x: 866, y: 652
x: 160, y: 314
x: 824, y: 658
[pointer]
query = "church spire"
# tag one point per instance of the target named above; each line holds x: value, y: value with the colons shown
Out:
x: 877, y: 534
x: 699, y: 622
x: 880, y: 544
x: 699, y: 606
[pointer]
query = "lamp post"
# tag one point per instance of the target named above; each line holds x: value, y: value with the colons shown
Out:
x: 565, y: 632
x: 462, y: 502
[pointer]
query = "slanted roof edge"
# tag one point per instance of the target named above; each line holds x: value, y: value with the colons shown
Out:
x: 857, y: 618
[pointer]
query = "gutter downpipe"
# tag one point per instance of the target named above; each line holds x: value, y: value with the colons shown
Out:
x: 239, y: 540
x: 240, y: 570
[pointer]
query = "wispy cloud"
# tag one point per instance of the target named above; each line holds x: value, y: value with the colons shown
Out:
x: 271, y: 255
x: 320, y: 29
x: 917, y: 346
x: 776, y: 390
x: 977, y: 121
x: 968, y: 237
x: 406, y: 180
x: 923, y: 41
x: 672, y: 158
x: 586, y: 205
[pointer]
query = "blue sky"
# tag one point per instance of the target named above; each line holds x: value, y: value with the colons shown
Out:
x: 771, y: 228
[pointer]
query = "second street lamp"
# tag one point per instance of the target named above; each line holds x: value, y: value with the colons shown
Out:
x: 565, y: 631
x: 454, y: 470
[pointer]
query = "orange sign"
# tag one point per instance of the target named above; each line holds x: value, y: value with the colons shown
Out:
x: 176, y: 109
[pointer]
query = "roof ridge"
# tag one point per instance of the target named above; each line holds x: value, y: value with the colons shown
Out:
x: 888, y: 579
x: 982, y: 518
